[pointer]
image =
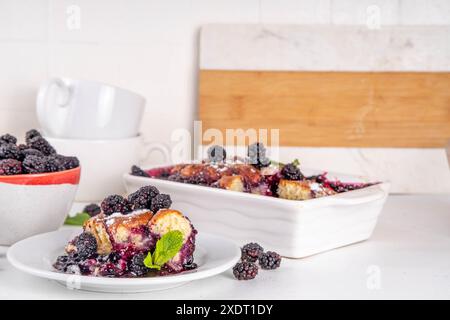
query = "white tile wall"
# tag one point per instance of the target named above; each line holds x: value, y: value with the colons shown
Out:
x: 424, y: 12
x: 151, y: 46
x: 295, y: 12
x: 365, y: 12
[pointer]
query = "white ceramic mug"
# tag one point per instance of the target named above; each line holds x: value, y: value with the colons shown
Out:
x: 103, y: 163
x: 79, y: 109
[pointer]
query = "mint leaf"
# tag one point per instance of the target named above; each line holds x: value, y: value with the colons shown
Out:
x: 148, y: 262
x: 167, y: 247
x: 296, y: 162
x: 78, y: 219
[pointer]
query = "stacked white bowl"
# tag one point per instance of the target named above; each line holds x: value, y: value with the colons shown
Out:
x: 99, y: 124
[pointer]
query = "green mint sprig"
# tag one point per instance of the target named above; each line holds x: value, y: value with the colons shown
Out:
x: 78, y: 219
x: 296, y: 163
x: 166, y: 248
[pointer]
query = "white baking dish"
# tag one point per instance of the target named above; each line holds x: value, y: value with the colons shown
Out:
x: 292, y: 228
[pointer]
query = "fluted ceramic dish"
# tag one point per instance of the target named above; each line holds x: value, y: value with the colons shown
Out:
x: 294, y: 229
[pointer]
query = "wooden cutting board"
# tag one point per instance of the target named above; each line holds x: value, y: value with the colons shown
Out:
x: 372, y: 108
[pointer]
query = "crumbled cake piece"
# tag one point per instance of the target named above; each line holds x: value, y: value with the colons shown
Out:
x: 234, y: 183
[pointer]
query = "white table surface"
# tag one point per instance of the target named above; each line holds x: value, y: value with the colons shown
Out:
x: 408, y: 256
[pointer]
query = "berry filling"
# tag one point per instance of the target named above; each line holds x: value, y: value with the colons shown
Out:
x: 255, y: 174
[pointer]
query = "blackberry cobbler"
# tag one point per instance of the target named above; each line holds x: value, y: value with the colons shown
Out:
x: 132, y: 237
x: 255, y: 173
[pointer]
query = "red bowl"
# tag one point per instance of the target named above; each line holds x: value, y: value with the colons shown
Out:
x: 71, y: 176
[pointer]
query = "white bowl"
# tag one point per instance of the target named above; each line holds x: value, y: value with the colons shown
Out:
x: 103, y: 161
x: 292, y: 228
x: 35, y: 203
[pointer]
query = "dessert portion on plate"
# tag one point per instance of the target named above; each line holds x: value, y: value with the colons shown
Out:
x: 132, y: 237
x: 254, y: 174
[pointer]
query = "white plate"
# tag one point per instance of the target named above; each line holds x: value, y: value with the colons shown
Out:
x: 35, y: 255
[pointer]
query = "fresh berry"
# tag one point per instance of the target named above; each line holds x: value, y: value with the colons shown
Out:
x: 142, y: 198
x: 34, y: 164
x: 259, y: 162
x: 61, y: 263
x: 9, y: 151
x: 245, y: 270
x: 115, y: 203
x: 10, y: 167
x: 256, y: 153
x: 291, y: 172
x: 29, y: 152
x: 51, y: 164
x: 251, y: 251
x: 7, y: 138
x: 161, y: 201
x: 256, y: 150
x: 86, y: 245
x: 216, y: 153
x: 136, y: 265
x: 92, y: 209
x: 42, y: 145
x: 31, y: 134
x: 67, y: 163
x: 269, y: 260
x: 136, y: 171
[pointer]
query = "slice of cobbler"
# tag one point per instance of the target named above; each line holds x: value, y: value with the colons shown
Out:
x: 116, y: 244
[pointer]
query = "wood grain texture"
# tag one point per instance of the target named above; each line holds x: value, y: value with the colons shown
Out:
x: 348, y: 109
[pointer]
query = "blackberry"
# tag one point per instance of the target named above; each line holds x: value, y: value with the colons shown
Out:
x: 256, y: 150
x: 256, y: 153
x: 7, y: 138
x: 67, y: 163
x: 92, y: 209
x: 61, y: 263
x: 136, y: 265
x: 251, y: 251
x: 142, y: 198
x: 33, y: 164
x: 245, y: 270
x: 291, y: 172
x: 269, y: 260
x: 31, y: 134
x: 42, y: 145
x: 9, y: 151
x: 51, y: 164
x: 216, y: 154
x: 86, y: 245
x: 259, y: 162
x: 10, y: 167
x: 161, y: 201
x: 136, y: 171
x: 115, y: 203
x: 25, y: 151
